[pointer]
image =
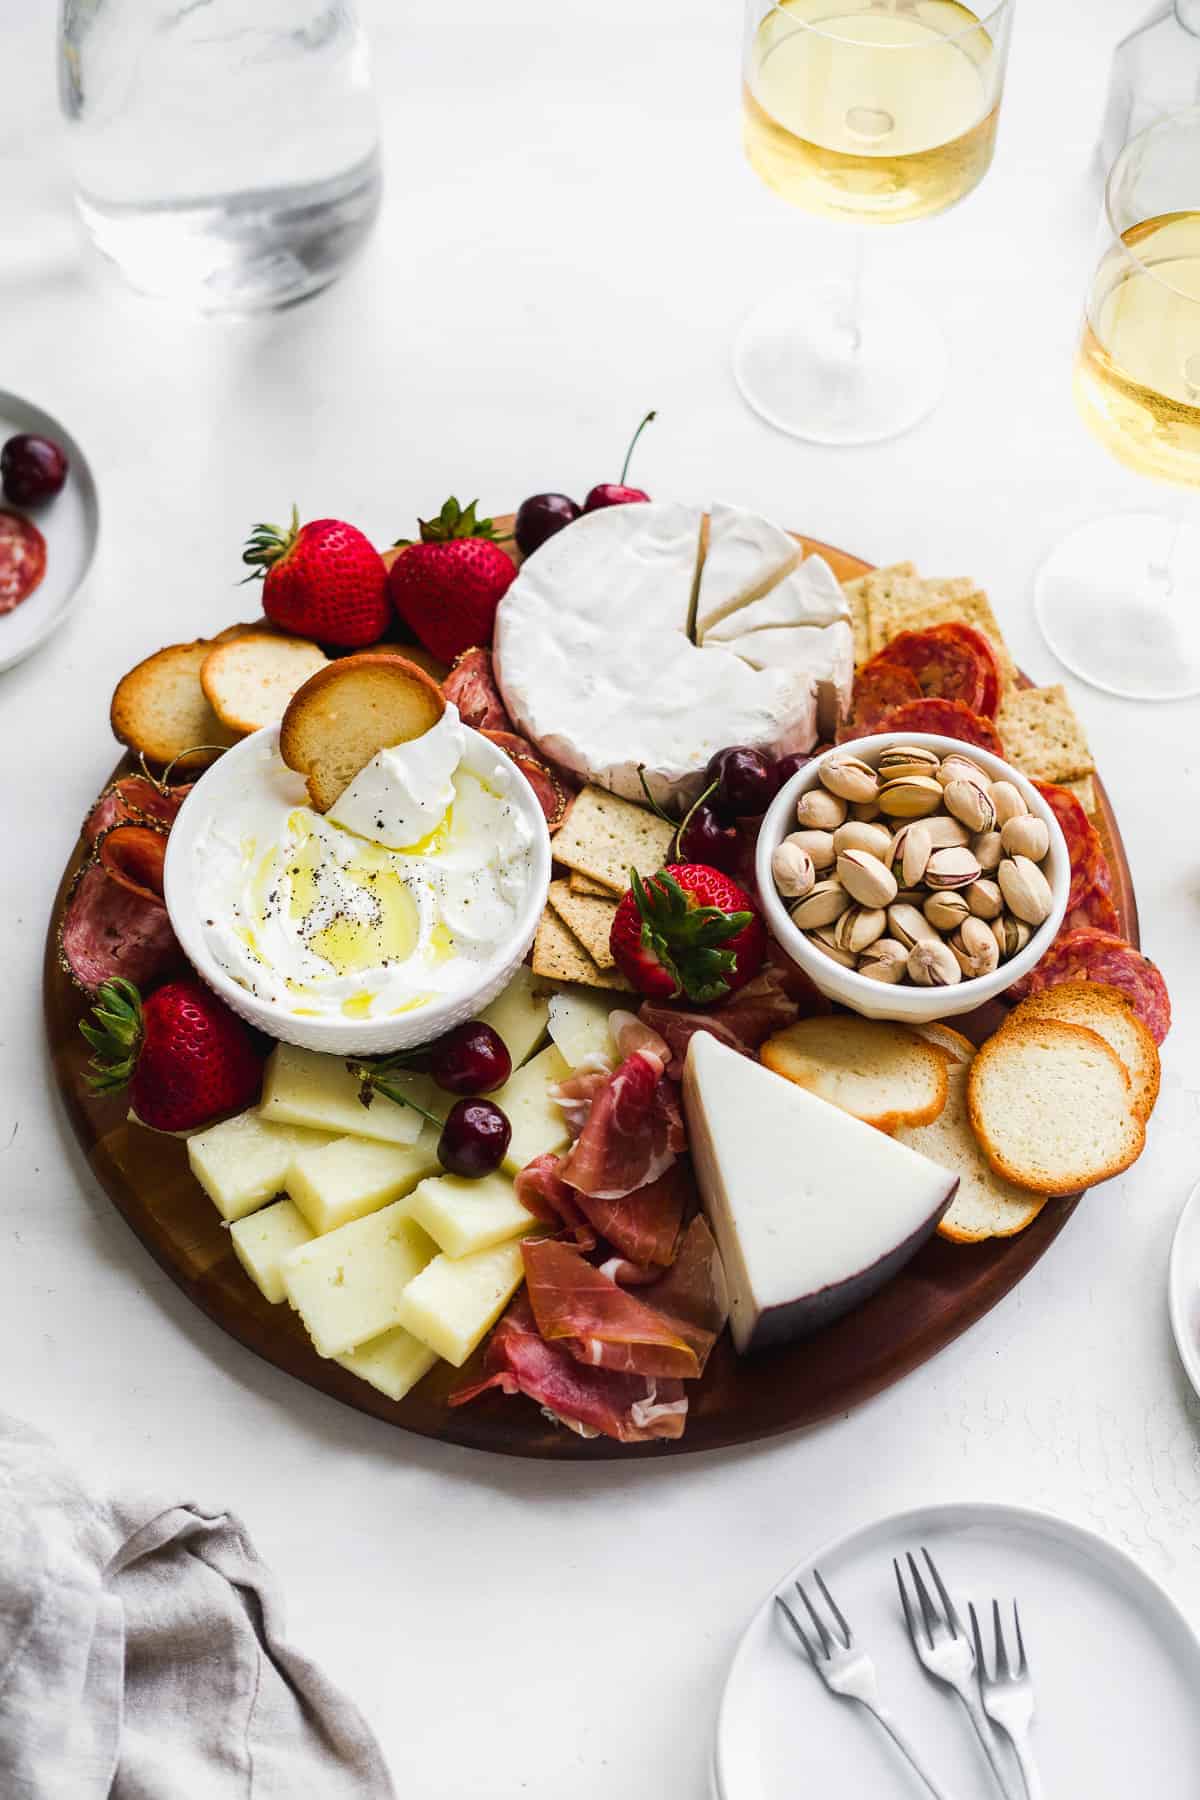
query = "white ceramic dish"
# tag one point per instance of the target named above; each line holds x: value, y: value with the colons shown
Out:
x: 334, y: 1035
x: 1115, y: 1668
x: 1183, y: 1287
x: 70, y: 525
x: 875, y: 999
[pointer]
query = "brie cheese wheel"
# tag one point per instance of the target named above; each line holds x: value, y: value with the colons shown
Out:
x: 812, y: 1210
x: 596, y: 666
x: 824, y: 653
x: 746, y: 555
x: 810, y: 595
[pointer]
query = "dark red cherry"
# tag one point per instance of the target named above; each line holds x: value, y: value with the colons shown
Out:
x: 787, y: 766
x: 539, y: 517
x: 704, y: 839
x: 745, y: 783
x: 32, y: 469
x: 471, y: 1059
x: 474, y: 1138
x: 612, y: 493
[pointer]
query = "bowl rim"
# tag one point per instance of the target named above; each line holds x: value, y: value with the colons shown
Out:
x: 908, y: 1001
x: 183, y: 911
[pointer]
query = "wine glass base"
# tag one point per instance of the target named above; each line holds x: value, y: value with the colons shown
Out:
x: 802, y: 367
x: 1113, y: 614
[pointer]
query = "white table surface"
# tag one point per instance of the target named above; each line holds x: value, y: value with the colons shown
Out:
x: 569, y: 237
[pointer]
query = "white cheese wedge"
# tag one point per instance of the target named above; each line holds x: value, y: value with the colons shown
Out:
x: 810, y: 595
x: 520, y: 1014
x: 579, y: 1025
x: 394, y: 1362
x: 242, y: 1162
x: 452, y: 1303
x: 537, y: 1121
x: 351, y: 1177
x: 746, y: 555
x: 824, y: 655
x: 812, y: 1210
x: 463, y: 1216
x: 262, y: 1240
x: 302, y: 1087
x: 347, y: 1286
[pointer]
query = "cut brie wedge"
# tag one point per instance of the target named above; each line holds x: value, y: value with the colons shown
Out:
x: 812, y: 1210
x: 746, y: 555
x: 810, y: 595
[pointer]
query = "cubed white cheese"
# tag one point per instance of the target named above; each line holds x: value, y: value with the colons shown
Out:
x: 301, y: 1087
x: 537, y: 1121
x: 519, y: 1014
x: 579, y: 1024
x: 262, y: 1240
x: 394, y: 1362
x: 347, y: 1286
x: 241, y: 1163
x: 455, y: 1300
x: 350, y: 1177
x: 463, y: 1216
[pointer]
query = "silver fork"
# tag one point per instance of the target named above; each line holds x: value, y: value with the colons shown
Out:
x: 846, y: 1670
x: 1008, y: 1694
x: 945, y: 1652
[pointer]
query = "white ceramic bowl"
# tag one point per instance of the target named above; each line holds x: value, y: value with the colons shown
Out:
x: 340, y: 1036
x: 876, y: 999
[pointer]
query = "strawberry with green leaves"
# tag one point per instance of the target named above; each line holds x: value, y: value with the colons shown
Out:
x: 184, y: 1056
x: 689, y: 932
x: 447, y: 586
x: 323, y: 580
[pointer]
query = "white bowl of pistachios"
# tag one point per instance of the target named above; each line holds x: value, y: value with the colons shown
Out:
x: 912, y: 877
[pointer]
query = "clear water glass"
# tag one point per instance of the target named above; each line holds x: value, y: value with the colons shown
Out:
x: 225, y: 152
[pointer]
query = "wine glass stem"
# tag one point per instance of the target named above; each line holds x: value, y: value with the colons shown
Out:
x: 1161, y: 570
x: 852, y: 315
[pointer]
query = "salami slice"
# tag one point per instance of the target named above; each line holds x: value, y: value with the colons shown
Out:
x: 1086, y: 954
x: 22, y: 559
x: 107, y: 930
x: 471, y: 685
x: 134, y: 855
x: 1089, y: 870
x: 945, y: 718
x: 993, y: 681
x: 878, y: 689
x: 1096, y: 909
x: 554, y: 797
x: 946, y: 667
x: 134, y: 800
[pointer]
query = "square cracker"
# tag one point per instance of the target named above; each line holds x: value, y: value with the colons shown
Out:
x: 1042, y: 734
x: 861, y: 595
x: 604, y: 836
x: 890, y: 618
x: 583, y: 884
x: 558, y: 954
x: 588, y: 918
x: 1084, y: 791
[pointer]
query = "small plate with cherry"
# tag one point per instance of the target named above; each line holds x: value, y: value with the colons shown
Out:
x: 49, y: 523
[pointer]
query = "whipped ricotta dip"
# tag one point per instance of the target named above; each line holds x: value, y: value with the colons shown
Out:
x: 394, y: 898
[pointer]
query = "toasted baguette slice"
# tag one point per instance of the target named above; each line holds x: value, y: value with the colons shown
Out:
x: 1104, y: 1010
x: 986, y: 1205
x: 347, y: 713
x: 958, y: 1048
x: 1052, y: 1107
x: 884, y: 1074
x: 160, y: 708
x: 249, y: 680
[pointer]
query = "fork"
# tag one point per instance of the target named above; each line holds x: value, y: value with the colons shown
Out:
x: 846, y: 1670
x: 1008, y: 1694
x: 945, y: 1652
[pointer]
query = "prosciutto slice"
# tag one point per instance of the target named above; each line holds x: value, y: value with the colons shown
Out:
x: 541, y: 1188
x: 600, y: 1323
x: 631, y: 1408
x: 471, y: 685
x: 742, y: 1022
x: 576, y: 1093
x: 693, y: 1293
x: 642, y: 1227
x: 632, y: 1134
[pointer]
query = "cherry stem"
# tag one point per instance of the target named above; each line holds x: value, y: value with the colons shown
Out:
x: 633, y: 445
x: 693, y: 808
x: 651, y: 802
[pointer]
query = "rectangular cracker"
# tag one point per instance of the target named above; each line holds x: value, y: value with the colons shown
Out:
x: 1084, y: 791
x: 604, y: 836
x: 1042, y: 734
x: 876, y: 584
x: 974, y: 609
x: 558, y: 954
x: 588, y: 918
x: 583, y: 884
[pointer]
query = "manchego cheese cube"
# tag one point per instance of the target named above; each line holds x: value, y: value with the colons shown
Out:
x: 302, y: 1087
x: 537, y: 1121
x: 393, y: 1362
x: 463, y: 1216
x: 519, y: 1014
x: 351, y: 1177
x: 262, y: 1240
x: 455, y: 1300
x: 347, y: 1286
x: 241, y: 1163
x: 579, y: 1025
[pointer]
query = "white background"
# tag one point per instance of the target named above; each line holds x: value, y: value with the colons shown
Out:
x: 569, y: 237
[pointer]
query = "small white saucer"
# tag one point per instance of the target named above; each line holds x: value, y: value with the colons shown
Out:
x: 70, y: 524
x: 1183, y: 1287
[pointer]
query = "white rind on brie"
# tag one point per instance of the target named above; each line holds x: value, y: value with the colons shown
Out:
x: 810, y: 595
x: 746, y: 555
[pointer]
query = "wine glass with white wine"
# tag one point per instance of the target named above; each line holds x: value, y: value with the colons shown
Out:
x: 875, y: 112
x: 1119, y: 601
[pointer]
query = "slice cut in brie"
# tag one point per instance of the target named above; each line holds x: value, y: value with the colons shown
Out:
x: 746, y: 555
x: 810, y: 594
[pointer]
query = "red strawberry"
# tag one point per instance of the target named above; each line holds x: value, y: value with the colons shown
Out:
x: 322, y: 580
x: 185, y: 1057
x: 447, y: 587
x: 689, y: 931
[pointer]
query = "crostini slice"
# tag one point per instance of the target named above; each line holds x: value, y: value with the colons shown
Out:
x: 347, y: 713
x: 249, y: 679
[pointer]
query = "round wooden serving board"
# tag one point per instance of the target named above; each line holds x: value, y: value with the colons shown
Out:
x: 942, y: 1291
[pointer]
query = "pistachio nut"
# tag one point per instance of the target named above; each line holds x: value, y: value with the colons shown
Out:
x: 908, y: 925
x: 914, y: 847
x: 952, y: 868
x: 865, y: 810
x: 956, y: 767
x: 793, y: 870
x: 971, y: 805
x: 1011, y: 935
x: 823, y: 940
x: 988, y: 850
x: 946, y: 831
x: 849, y: 778
x: 1026, y: 890
x: 1026, y: 836
x: 976, y: 949
x: 858, y: 928
x: 946, y: 911
x: 984, y: 898
x: 868, y: 880
x: 1007, y: 803
x: 824, y: 902
x: 819, y: 810
x: 854, y: 835
x: 932, y: 963
x: 885, y: 960
x: 818, y: 845
x: 911, y: 797
x: 906, y: 759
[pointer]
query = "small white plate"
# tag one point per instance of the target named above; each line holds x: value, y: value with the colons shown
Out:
x: 1115, y: 1665
x: 70, y: 524
x: 1183, y: 1287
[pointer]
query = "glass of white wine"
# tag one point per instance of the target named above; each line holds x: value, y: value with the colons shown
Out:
x: 1119, y: 601
x: 875, y: 112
